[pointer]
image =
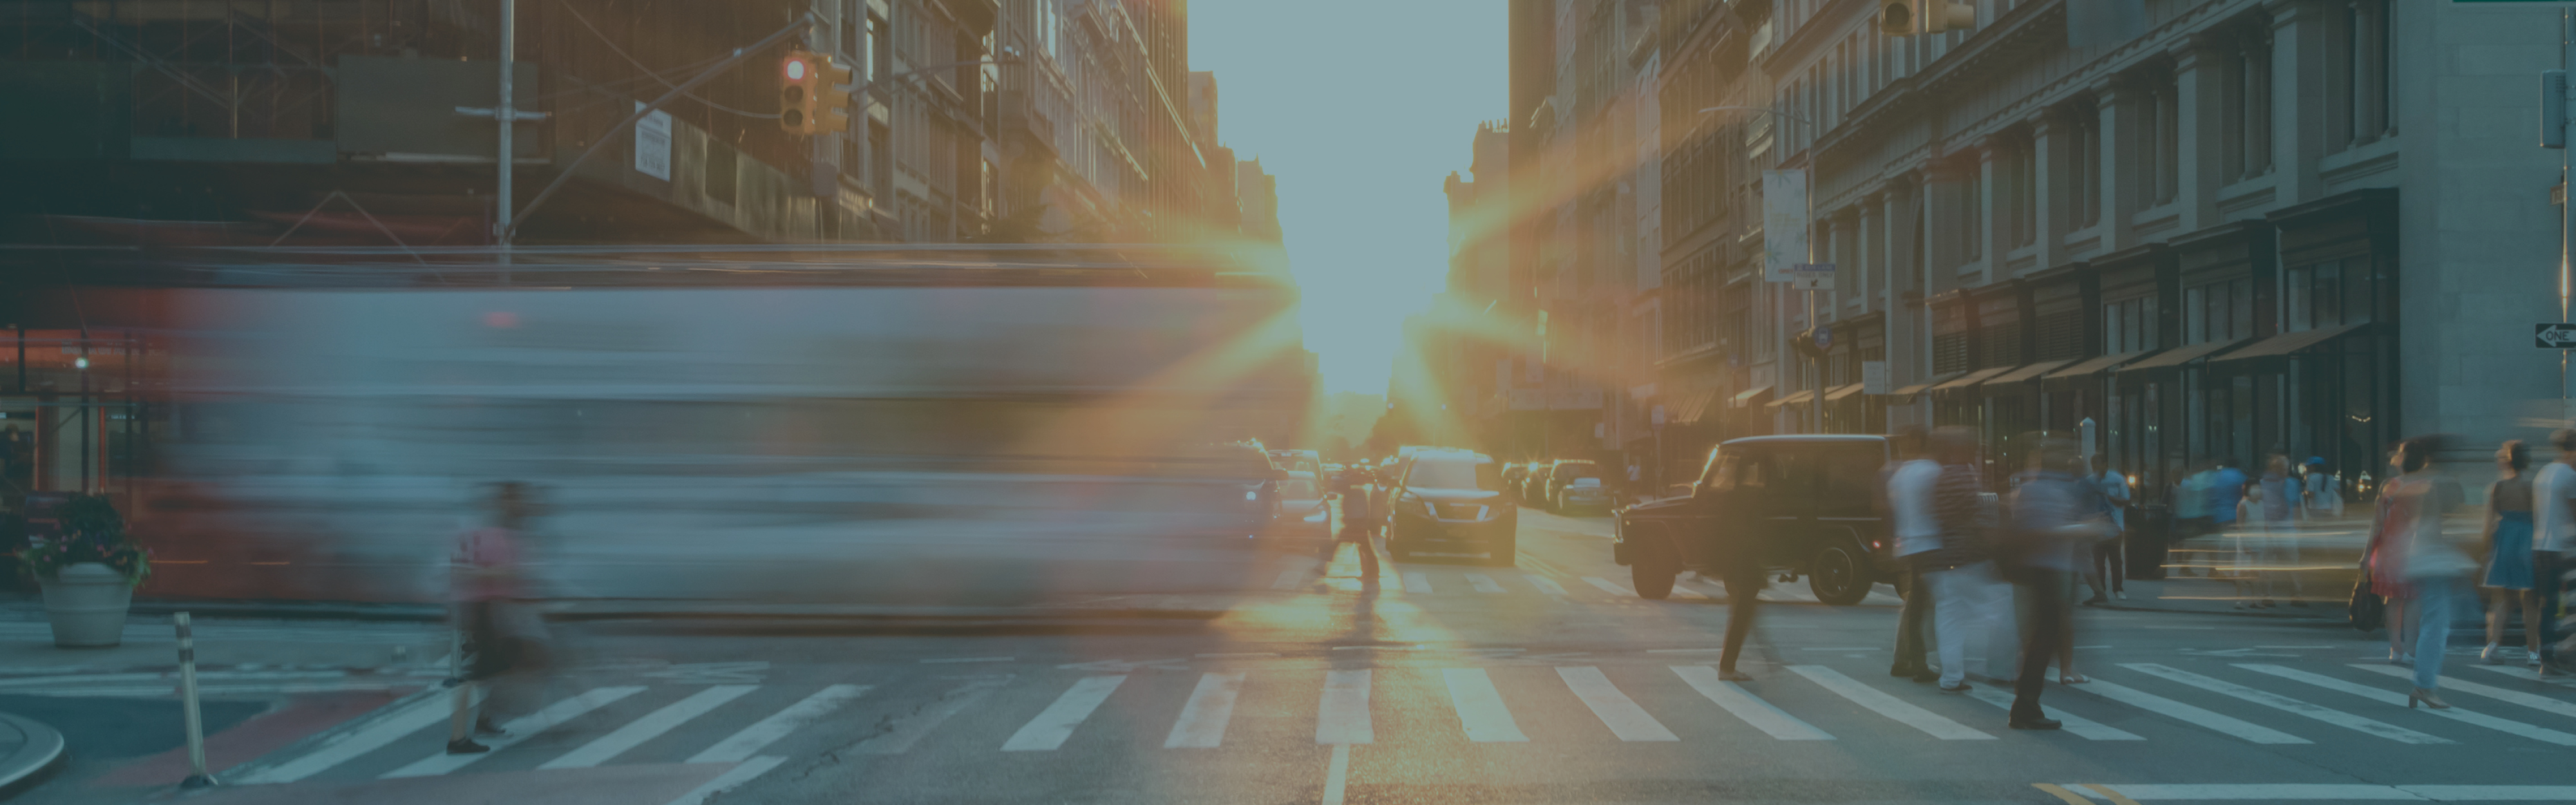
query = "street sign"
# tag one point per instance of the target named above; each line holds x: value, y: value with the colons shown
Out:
x: 1824, y: 336
x: 1873, y: 377
x: 1784, y: 222
x: 2547, y: 335
x: 1657, y: 416
x: 1811, y: 277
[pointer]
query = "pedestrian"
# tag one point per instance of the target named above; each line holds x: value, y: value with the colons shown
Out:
x: 2323, y: 499
x: 2275, y: 533
x: 1908, y: 503
x: 2111, y: 557
x: 2391, y: 523
x: 1359, y: 527
x: 2438, y: 561
x: 2054, y: 518
x: 1968, y: 600
x: 2553, y: 511
x: 2508, y: 576
x: 1737, y: 554
x: 2191, y: 505
x: 505, y: 640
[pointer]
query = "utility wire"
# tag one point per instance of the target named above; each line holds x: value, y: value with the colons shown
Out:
x: 648, y: 71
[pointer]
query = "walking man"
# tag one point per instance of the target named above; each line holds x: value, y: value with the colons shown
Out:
x: 1968, y: 599
x: 2553, y: 509
x: 2054, y: 519
x: 1908, y: 499
x: 1359, y: 527
x: 2111, y: 558
x: 504, y: 637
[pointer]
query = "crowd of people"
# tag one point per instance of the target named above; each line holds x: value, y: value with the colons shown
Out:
x: 2424, y: 560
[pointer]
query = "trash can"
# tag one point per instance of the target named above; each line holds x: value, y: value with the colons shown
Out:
x: 2151, y: 530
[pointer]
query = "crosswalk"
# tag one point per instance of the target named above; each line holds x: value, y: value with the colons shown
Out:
x: 1501, y: 704
x: 1306, y: 575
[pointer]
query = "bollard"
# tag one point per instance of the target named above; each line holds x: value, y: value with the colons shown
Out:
x: 197, y: 776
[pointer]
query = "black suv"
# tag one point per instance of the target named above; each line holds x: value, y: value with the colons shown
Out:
x: 1451, y: 501
x: 1810, y: 503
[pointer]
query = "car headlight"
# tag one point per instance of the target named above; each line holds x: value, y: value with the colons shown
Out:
x: 1251, y: 494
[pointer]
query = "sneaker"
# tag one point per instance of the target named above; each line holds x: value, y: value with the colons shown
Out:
x: 1962, y: 687
x: 2531, y: 661
x: 466, y: 746
x: 2490, y: 655
x: 1927, y: 675
x: 2120, y: 594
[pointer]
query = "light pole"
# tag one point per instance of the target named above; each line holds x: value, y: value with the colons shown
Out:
x: 1815, y: 406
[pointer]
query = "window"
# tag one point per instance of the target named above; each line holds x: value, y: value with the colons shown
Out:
x: 2249, y: 108
x: 2218, y: 311
x: 2024, y: 182
x: 2129, y: 326
x: 1972, y: 213
x: 2358, y: 71
x: 2084, y: 169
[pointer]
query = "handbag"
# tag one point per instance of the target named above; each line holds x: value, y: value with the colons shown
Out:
x: 2368, y: 610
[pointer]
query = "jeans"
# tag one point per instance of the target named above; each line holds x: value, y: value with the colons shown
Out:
x: 2040, y: 638
x: 2435, y: 598
x: 1744, y: 582
x: 1966, y: 603
x: 2111, y: 564
x: 1910, y: 624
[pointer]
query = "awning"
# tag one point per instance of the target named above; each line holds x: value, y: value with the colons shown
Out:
x: 1840, y: 393
x: 2180, y: 355
x: 1919, y: 388
x: 2287, y: 343
x: 1747, y: 396
x: 1971, y: 379
x: 1792, y: 399
x: 1690, y: 407
x: 2093, y: 365
x: 2027, y: 373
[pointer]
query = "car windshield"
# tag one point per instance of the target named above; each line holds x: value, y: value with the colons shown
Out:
x: 1584, y: 483
x: 1454, y: 473
x: 1576, y: 470
x: 1297, y: 488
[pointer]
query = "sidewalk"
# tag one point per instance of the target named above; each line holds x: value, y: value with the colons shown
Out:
x: 28, y: 752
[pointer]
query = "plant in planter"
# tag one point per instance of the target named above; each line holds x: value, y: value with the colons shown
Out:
x: 87, y: 566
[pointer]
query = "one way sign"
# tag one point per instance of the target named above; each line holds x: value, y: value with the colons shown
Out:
x: 2547, y: 335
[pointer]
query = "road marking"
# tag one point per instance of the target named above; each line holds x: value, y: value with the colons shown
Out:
x: 2106, y: 793
x: 1343, y: 715
x: 2151, y: 792
x: 2082, y: 727
x: 1226, y: 654
x: 737, y: 775
x: 1417, y: 582
x: 1203, y: 719
x: 636, y: 732
x: 1289, y: 579
x: 2531, y: 700
x: 1480, y: 707
x: 2069, y: 797
x: 943, y: 660
x: 2393, y: 697
x: 519, y: 729
x: 2288, y: 705
x: 1337, y: 774
x: 1689, y: 594
x: 1684, y: 650
x: 2522, y: 673
x: 1054, y: 724
x: 1544, y: 584
x: 1608, y: 585
x: 1931, y: 723
x: 2184, y: 628
x: 1616, y: 711
x: 758, y: 736
x: 1752, y: 709
x: 422, y: 713
x: 900, y: 737
x: 1484, y: 583
x: 2190, y: 715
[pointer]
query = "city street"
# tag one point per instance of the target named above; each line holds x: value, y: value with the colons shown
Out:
x: 1453, y: 682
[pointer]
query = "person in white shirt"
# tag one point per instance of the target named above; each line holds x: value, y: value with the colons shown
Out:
x: 1909, y: 509
x: 2111, y: 557
x: 2553, y: 515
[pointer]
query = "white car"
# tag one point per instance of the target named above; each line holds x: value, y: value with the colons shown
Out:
x: 1303, y: 506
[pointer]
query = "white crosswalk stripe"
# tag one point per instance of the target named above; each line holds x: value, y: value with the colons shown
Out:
x: 1054, y: 724
x: 2079, y: 726
x: 2393, y: 697
x: 412, y: 718
x: 644, y: 729
x: 2288, y: 705
x: 1620, y: 713
x: 1931, y: 723
x: 2188, y: 714
x: 1609, y: 586
x: 748, y: 742
x: 1544, y: 584
x: 2532, y: 700
x: 1753, y: 710
x: 1203, y: 719
x: 1484, y: 583
x: 1417, y: 582
x: 1343, y: 715
x: 1481, y: 712
x: 519, y: 729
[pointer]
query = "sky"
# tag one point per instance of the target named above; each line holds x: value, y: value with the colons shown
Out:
x: 1361, y: 108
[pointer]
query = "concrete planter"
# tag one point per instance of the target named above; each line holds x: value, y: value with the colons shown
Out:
x: 87, y: 603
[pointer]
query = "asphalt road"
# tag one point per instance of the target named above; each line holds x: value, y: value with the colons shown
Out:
x: 1455, y: 682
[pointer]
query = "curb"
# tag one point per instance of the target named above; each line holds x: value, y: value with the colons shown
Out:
x: 34, y: 761
x: 412, y: 613
x: 2278, y: 616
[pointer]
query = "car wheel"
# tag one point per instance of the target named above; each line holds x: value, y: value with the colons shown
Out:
x: 1838, y: 576
x: 1653, y: 569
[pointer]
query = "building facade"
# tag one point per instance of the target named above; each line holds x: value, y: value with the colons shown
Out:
x: 2251, y: 227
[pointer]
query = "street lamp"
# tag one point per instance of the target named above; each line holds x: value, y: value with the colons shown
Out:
x: 1816, y: 406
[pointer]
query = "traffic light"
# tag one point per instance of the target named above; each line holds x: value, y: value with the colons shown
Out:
x: 831, y: 96
x: 1910, y: 17
x: 797, y: 79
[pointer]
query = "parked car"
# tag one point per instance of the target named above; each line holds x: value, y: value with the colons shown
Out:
x: 1563, y: 472
x: 1805, y: 504
x: 1305, y: 508
x: 1532, y: 488
x: 1452, y: 501
x: 1513, y: 474
x: 1583, y: 494
x: 1298, y: 460
x: 1242, y: 468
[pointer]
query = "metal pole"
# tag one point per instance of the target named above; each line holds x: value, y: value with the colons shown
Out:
x: 460, y: 722
x: 197, y: 776
x: 2566, y: 210
x: 506, y: 117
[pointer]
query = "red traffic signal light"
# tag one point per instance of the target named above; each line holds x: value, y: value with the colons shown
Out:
x: 796, y: 80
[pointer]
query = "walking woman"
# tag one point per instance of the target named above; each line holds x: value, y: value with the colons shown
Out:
x: 2386, y: 558
x: 2508, y: 537
x: 2438, y: 563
